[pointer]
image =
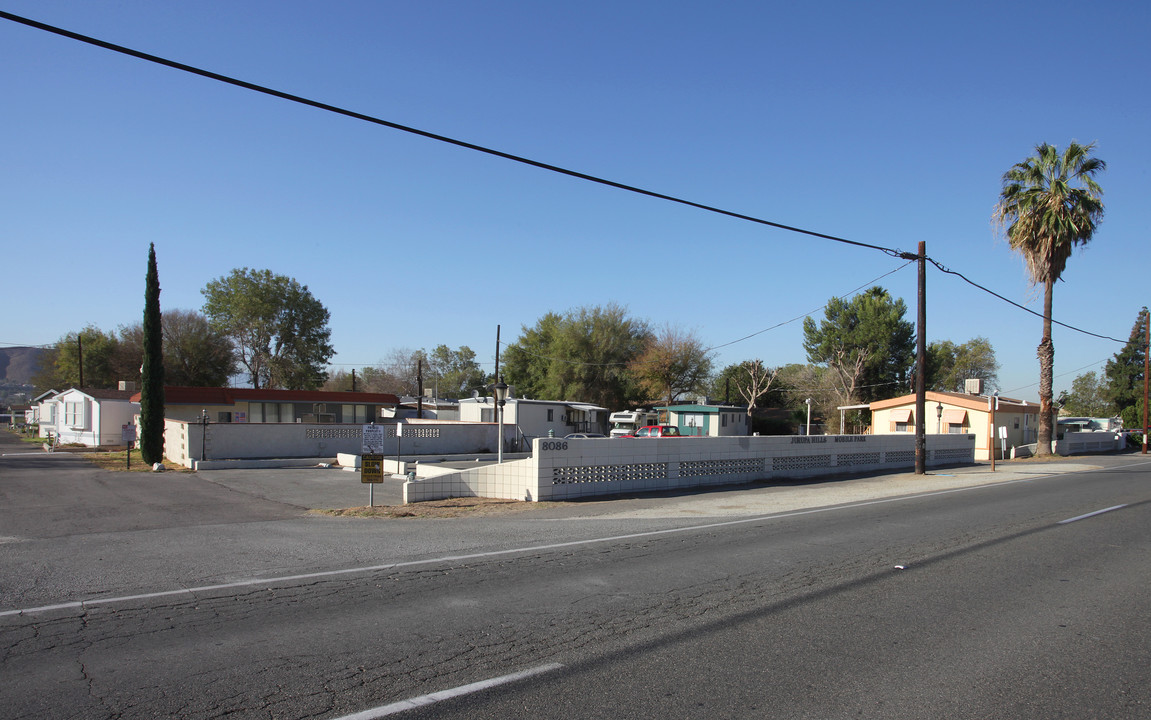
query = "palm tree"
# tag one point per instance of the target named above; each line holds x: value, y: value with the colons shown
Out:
x: 1049, y: 204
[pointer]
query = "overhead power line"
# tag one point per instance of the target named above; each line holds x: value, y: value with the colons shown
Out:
x: 1064, y: 374
x: 430, y: 135
x: 971, y: 282
x: 821, y: 307
x: 713, y: 347
x: 509, y: 156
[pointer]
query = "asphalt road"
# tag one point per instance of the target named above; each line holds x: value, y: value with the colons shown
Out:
x: 202, y: 600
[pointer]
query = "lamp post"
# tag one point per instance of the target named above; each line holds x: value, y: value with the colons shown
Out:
x: 203, y: 433
x: 808, y: 433
x: 939, y: 419
x: 501, y: 390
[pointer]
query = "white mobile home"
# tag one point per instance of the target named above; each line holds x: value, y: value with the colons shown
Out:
x: 90, y: 417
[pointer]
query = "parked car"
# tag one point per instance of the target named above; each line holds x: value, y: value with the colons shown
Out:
x: 656, y: 431
x: 583, y: 436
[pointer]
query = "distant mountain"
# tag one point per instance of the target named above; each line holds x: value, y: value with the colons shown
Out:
x: 19, y: 364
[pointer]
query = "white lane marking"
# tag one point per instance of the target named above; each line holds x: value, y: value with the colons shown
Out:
x: 402, y: 705
x: 537, y: 548
x: 40, y: 454
x: 93, y: 602
x: 1091, y: 514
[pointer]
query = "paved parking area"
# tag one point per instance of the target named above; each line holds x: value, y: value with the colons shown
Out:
x: 325, y: 488
x: 310, y: 488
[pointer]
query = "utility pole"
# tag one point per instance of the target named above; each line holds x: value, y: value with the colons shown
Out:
x: 1146, y: 352
x: 354, y: 385
x: 420, y: 387
x: 992, y: 406
x: 499, y: 393
x: 921, y: 366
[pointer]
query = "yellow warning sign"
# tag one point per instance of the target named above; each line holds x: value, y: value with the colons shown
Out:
x: 372, y: 468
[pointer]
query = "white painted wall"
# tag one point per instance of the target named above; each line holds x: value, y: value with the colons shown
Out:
x: 1088, y: 442
x: 568, y: 469
x: 185, y: 441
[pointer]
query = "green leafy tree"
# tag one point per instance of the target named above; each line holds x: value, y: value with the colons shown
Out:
x: 100, y: 352
x: 866, y: 343
x: 1049, y: 204
x: 1087, y: 397
x: 152, y: 369
x: 949, y: 365
x: 195, y: 353
x: 279, y: 330
x: 580, y: 355
x: 453, y: 373
x: 528, y: 362
x: 674, y: 362
x: 1123, y: 375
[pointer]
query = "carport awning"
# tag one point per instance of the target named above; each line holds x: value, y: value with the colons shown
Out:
x: 585, y: 408
x: 955, y: 417
x: 901, y: 415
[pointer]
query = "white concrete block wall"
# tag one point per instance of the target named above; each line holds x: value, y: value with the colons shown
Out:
x: 566, y: 469
x: 177, y: 442
x: 512, y: 480
x: 1075, y: 443
x: 300, y: 440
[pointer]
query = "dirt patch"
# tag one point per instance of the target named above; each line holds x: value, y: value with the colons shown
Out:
x: 451, y: 508
x: 115, y: 461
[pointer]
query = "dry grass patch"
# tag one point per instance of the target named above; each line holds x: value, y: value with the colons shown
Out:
x: 450, y: 508
x: 115, y: 461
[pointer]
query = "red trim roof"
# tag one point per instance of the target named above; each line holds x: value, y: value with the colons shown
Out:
x: 176, y: 395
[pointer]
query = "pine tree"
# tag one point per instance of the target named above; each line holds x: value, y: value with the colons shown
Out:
x: 1124, y: 374
x: 152, y: 371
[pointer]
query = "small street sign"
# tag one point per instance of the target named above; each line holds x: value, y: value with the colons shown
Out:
x: 373, y: 439
x: 127, y: 434
x: 372, y: 468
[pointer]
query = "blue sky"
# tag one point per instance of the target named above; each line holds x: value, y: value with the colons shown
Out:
x: 887, y: 123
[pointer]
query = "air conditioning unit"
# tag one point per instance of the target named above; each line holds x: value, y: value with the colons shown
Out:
x: 973, y: 386
x: 128, y: 385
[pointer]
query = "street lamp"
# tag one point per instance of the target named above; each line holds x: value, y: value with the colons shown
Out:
x: 501, y: 390
x: 808, y: 433
x: 203, y: 433
x: 939, y: 419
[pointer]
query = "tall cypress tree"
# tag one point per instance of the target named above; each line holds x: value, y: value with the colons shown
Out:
x: 152, y: 372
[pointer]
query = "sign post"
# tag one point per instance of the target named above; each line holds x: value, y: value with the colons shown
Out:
x: 128, y: 436
x: 372, y: 459
x: 371, y: 472
x: 399, y: 434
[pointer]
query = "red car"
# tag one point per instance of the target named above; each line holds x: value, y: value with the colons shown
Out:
x: 656, y: 431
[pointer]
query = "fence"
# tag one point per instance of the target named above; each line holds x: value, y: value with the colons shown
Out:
x: 194, y: 445
x: 567, y: 469
x: 1077, y: 443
